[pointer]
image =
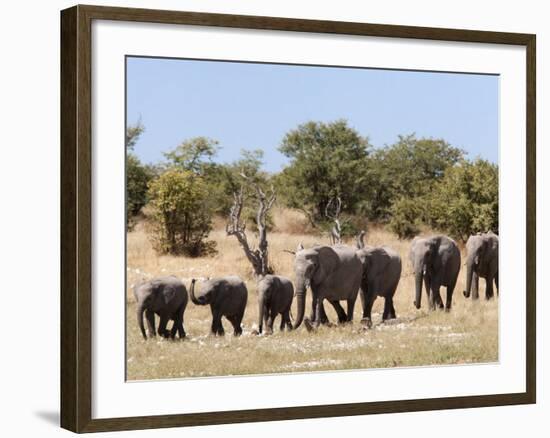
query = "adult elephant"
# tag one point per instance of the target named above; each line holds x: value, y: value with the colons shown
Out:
x: 436, y: 260
x: 333, y: 273
x: 166, y: 297
x: 381, y: 274
x: 227, y: 297
x: 481, y: 261
x: 275, y: 294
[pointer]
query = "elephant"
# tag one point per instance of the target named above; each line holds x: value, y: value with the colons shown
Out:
x: 436, y: 260
x: 481, y: 261
x: 167, y: 297
x: 227, y: 297
x: 275, y: 294
x: 333, y: 273
x: 381, y: 274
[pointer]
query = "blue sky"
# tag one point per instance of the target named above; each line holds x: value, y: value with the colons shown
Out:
x: 252, y: 106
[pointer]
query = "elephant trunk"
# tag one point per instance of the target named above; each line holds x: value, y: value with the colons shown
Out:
x: 301, y: 303
x: 139, y: 313
x: 469, y: 276
x: 192, y: 293
x: 418, y: 284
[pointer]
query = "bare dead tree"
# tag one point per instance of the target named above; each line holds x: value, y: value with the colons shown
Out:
x: 360, y: 239
x: 332, y: 211
x: 258, y: 257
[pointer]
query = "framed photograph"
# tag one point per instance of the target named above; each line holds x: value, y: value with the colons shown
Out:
x: 269, y: 218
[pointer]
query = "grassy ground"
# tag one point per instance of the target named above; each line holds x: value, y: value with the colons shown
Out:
x: 468, y: 334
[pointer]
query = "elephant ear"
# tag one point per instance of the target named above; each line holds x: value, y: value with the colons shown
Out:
x: 327, y: 262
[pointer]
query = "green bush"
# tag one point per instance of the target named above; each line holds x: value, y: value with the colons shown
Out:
x: 180, y: 217
x: 405, y: 217
x: 465, y: 201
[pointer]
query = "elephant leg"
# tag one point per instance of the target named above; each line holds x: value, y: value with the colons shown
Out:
x: 174, y: 328
x: 475, y: 286
x: 287, y: 320
x: 236, y: 322
x: 270, y: 320
x: 387, y: 307
x: 389, y: 311
x: 450, y: 291
x: 162, y: 326
x: 150, y: 317
x: 431, y: 299
x: 392, y: 310
x: 178, y: 324
x: 435, y: 297
x: 342, y: 317
x: 181, y: 330
x: 318, y: 310
x: 283, y: 322
x: 351, y: 307
x: 369, y: 302
x: 362, y: 295
x: 489, y: 288
x: 177, y: 321
x: 217, y: 327
x: 428, y: 287
x: 496, y: 281
x: 313, y: 307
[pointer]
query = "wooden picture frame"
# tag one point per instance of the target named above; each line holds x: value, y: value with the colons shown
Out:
x: 76, y: 217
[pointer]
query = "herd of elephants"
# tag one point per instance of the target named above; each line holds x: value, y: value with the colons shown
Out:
x: 335, y: 273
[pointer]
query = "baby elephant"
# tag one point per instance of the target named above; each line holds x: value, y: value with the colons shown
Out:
x: 167, y: 297
x: 381, y: 274
x: 275, y: 295
x: 482, y: 261
x: 227, y: 297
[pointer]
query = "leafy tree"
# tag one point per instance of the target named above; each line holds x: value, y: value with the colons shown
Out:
x: 193, y: 154
x: 133, y: 133
x: 328, y: 160
x: 137, y: 180
x: 465, y: 201
x: 137, y: 176
x: 407, y: 169
x: 180, y: 219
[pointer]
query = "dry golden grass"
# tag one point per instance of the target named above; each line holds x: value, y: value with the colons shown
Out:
x: 468, y: 334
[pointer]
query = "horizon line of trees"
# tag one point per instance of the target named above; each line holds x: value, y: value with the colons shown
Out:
x: 412, y: 183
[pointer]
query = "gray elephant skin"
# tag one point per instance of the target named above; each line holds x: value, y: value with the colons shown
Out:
x: 166, y: 297
x: 227, y: 297
x: 481, y: 261
x: 436, y: 260
x: 381, y: 274
x: 275, y: 295
x: 333, y: 273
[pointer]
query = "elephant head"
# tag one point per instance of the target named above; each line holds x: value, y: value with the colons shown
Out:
x: 422, y: 256
x: 476, y: 248
x: 207, y: 294
x: 311, y: 267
